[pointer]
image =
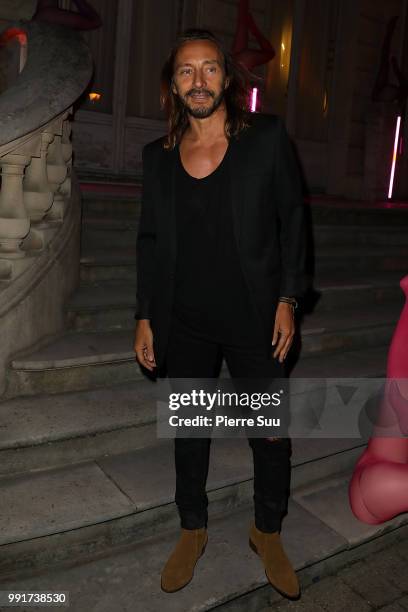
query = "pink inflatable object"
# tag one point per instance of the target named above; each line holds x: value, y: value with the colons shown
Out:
x: 378, y: 489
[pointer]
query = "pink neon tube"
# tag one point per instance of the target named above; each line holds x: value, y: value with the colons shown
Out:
x: 253, y: 99
x: 394, y: 157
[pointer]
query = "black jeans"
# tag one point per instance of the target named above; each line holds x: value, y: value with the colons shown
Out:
x: 192, y: 355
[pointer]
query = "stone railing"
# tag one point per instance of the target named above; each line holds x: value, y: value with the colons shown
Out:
x: 39, y: 196
x: 35, y: 147
x: 35, y: 193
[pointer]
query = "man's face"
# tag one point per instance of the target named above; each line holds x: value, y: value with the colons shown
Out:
x: 199, y: 78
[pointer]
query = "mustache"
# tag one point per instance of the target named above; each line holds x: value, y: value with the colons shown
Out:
x: 200, y: 91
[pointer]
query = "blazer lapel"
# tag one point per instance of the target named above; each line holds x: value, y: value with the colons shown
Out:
x: 237, y: 161
x: 167, y: 174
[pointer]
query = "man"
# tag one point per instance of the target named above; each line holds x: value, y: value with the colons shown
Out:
x: 220, y: 258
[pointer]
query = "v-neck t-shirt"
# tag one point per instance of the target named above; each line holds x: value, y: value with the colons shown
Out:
x: 211, y: 295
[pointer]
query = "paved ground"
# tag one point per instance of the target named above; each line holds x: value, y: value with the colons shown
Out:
x: 380, y: 582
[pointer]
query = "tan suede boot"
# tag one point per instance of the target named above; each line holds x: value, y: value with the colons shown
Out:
x: 278, y: 568
x: 179, y: 568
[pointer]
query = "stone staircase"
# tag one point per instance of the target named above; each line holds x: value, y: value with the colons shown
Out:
x: 84, y: 478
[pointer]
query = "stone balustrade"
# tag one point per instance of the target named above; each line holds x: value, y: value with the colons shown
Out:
x: 34, y: 194
x: 40, y: 206
x: 35, y: 145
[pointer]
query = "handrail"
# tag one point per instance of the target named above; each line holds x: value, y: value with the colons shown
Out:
x: 57, y: 71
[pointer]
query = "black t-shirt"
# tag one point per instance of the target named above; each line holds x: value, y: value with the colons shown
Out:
x: 211, y: 295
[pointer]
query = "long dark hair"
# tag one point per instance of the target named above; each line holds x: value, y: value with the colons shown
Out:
x: 235, y: 94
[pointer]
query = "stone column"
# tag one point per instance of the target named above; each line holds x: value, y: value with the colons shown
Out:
x: 295, y: 50
x: 120, y: 88
x: 340, y: 106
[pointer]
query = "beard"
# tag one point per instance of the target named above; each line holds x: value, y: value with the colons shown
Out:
x: 201, y: 112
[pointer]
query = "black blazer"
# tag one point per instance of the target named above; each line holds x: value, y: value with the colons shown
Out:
x: 268, y: 217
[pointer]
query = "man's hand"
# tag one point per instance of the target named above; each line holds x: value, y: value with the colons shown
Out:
x: 285, y: 328
x: 144, y: 344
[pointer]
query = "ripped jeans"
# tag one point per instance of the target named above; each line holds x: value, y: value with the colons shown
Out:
x: 191, y: 355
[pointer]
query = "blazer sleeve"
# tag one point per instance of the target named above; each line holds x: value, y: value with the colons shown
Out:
x: 145, y: 242
x: 289, y: 198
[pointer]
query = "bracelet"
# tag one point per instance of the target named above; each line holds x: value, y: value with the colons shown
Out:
x: 289, y: 300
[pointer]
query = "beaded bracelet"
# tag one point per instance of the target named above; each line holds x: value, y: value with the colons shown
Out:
x: 289, y: 300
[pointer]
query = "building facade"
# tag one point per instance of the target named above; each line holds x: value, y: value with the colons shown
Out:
x: 320, y: 81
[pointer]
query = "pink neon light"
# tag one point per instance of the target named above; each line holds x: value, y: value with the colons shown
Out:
x: 394, y: 156
x: 253, y: 99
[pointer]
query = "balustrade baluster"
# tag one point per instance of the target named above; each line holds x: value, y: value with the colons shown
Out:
x: 14, y: 219
x: 56, y: 172
x: 38, y: 193
x: 66, y: 144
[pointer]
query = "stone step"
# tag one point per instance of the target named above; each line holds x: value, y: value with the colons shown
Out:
x: 115, y: 222
x: 365, y: 235
x: 51, y: 430
x: 111, y: 305
x: 102, y: 306
x: 336, y: 211
x: 365, y: 362
x: 229, y: 577
x: 102, y: 265
x: 70, y: 427
x: 101, y: 229
x: 125, y: 236
x: 102, y: 178
x: 111, y: 232
x: 347, y: 290
x: 361, y: 259
x: 135, y: 490
x: 118, y: 200
x: 111, y: 208
x: 120, y: 263
x: 359, y: 218
x: 104, y: 534
x: 321, y: 211
x: 75, y: 361
x: 348, y: 329
x: 62, y: 431
x: 81, y: 360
